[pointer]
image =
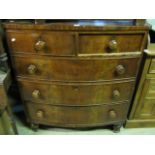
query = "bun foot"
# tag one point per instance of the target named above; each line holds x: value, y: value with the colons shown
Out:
x: 116, y: 128
x: 34, y: 127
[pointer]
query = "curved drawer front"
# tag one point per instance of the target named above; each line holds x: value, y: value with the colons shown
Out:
x: 76, y: 69
x: 62, y: 43
x: 42, y: 42
x: 76, y: 94
x: 77, y: 116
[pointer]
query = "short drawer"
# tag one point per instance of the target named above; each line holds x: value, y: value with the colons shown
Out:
x: 152, y: 66
x: 76, y: 116
x: 42, y: 42
x: 75, y: 69
x: 107, y: 43
x: 76, y: 94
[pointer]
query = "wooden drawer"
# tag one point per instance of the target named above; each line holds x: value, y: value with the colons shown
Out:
x: 75, y: 69
x: 152, y: 66
x: 41, y: 42
x: 75, y: 94
x: 71, y: 116
x: 102, y: 43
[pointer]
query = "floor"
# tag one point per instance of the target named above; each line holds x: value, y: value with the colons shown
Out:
x: 23, y: 129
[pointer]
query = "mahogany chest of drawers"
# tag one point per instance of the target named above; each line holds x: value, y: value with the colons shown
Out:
x: 74, y: 75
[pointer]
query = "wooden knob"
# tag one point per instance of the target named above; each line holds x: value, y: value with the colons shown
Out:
x: 120, y: 70
x: 113, y: 44
x: 76, y: 88
x: 40, y: 114
x: 112, y: 114
x: 32, y: 69
x: 116, y: 94
x: 40, y: 45
x: 36, y: 94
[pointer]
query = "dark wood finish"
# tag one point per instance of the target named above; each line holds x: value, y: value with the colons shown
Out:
x: 75, y: 69
x: 74, y: 74
x: 107, y: 43
x: 76, y: 94
x: 43, y: 42
x: 63, y: 44
x: 71, y: 116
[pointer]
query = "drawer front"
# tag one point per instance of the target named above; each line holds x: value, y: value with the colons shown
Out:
x: 76, y: 116
x: 76, y: 69
x: 107, y: 43
x: 50, y: 43
x: 76, y: 93
x: 152, y: 66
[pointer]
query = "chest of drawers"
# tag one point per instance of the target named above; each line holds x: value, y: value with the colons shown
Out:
x: 73, y: 75
x: 142, y: 113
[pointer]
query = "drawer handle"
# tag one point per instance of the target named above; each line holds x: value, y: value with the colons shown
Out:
x: 32, y: 69
x: 112, y: 114
x: 40, y: 45
x: 120, y: 70
x: 40, y: 114
x: 116, y: 94
x: 36, y: 94
x: 76, y: 88
x: 113, y: 44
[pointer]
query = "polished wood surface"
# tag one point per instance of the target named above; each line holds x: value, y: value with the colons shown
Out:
x: 75, y: 69
x: 71, y: 116
x: 76, y: 74
x: 76, y: 94
x: 50, y: 43
x: 107, y: 43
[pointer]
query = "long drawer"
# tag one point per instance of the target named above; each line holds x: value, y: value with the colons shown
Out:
x: 62, y: 43
x: 75, y: 69
x: 75, y: 94
x: 76, y: 116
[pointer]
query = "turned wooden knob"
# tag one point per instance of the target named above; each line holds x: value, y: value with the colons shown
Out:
x: 40, y: 45
x: 112, y: 114
x: 76, y: 88
x: 113, y: 44
x: 116, y: 94
x: 36, y: 94
x: 40, y: 114
x: 120, y: 70
x: 32, y: 69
